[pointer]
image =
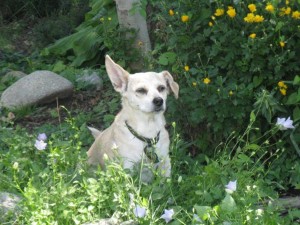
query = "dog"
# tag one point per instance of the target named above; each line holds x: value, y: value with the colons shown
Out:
x: 138, y: 132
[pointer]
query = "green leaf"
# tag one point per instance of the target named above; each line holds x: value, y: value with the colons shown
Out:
x: 257, y: 80
x: 167, y: 58
x: 228, y: 204
x: 252, y: 147
x: 279, y: 26
x: 296, y: 80
x: 244, y: 159
x: 59, y: 67
x: 163, y: 60
x: 296, y: 114
x: 293, y: 98
x: 203, y: 211
x: 252, y: 117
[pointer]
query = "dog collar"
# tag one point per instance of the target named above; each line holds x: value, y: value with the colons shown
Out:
x: 149, y: 149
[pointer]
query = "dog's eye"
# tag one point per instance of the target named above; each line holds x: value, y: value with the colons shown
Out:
x: 141, y: 91
x: 161, y: 88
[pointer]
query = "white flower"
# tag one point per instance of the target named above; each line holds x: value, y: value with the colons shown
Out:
x: 114, y: 147
x: 285, y: 124
x: 167, y: 216
x: 139, y: 211
x: 42, y: 137
x: 259, y: 212
x: 40, y: 145
x: 231, y: 187
x: 16, y: 166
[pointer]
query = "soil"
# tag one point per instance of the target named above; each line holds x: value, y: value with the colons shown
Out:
x: 80, y: 101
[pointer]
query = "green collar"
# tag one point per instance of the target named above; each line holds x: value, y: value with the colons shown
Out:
x: 149, y: 149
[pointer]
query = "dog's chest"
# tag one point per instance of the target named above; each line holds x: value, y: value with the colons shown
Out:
x: 152, y: 148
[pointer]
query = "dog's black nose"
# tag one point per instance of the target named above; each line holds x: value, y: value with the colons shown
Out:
x: 158, y: 101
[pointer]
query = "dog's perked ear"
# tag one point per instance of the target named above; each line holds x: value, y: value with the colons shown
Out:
x: 117, y: 75
x: 172, y: 85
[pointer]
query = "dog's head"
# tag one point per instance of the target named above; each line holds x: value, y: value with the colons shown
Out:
x: 146, y: 92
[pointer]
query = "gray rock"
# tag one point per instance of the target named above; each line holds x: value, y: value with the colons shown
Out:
x: 89, y: 81
x: 8, y: 204
x: 13, y: 75
x: 36, y: 88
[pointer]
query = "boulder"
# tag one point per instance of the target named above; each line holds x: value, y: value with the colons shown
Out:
x: 13, y: 75
x: 36, y: 88
x: 89, y: 81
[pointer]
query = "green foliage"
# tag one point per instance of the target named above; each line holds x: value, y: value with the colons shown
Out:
x: 12, y: 9
x: 223, y: 62
x: 59, y: 24
x: 98, y: 34
x: 57, y: 186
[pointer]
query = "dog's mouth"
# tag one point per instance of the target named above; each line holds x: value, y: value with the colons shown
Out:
x: 158, y: 108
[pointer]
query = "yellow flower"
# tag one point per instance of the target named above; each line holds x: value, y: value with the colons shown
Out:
x: 219, y: 12
x: 231, y: 93
x: 185, y: 18
x: 109, y: 18
x: 194, y: 84
x: 210, y: 24
x: 283, y: 91
x: 258, y: 19
x: 282, y: 44
x: 101, y: 19
x: 253, y: 35
x: 287, y: 2
x: 171, y: 12
x: 213, y: 18
x: 282, y: 87
x: 231, y: 12
x: 296, y: 15
x: 186, y: 68
x: 252, y: 7
x: 270, y: 8
x: 140, y: 43
x: 285, y: 11
x: 249, y: 18
x: 281, y: 84
x: 206, y: 80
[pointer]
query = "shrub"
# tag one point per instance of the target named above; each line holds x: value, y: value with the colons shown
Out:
x: 60, y: 23
x: 98, y: 35
x: 223, y: 54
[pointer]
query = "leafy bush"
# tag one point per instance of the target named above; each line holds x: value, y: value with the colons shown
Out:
x: 59, y: 24
x: 57, y: 188
x: 223, y: 54
x: 14, y: 9
x: 97, y: 36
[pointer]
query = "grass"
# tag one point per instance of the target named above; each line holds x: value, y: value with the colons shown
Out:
x: 57, y: 186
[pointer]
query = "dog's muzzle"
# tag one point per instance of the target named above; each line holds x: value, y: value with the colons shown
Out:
x: 158, y: 104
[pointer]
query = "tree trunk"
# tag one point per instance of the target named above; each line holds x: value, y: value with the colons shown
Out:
x: 129, y: 18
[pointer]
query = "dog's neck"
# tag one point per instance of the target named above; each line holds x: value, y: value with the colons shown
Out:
x: 147, y: 124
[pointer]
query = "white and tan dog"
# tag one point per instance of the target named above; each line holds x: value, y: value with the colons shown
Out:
x: 138, y: 131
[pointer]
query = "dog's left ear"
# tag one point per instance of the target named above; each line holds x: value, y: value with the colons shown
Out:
x: 172, y: 85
